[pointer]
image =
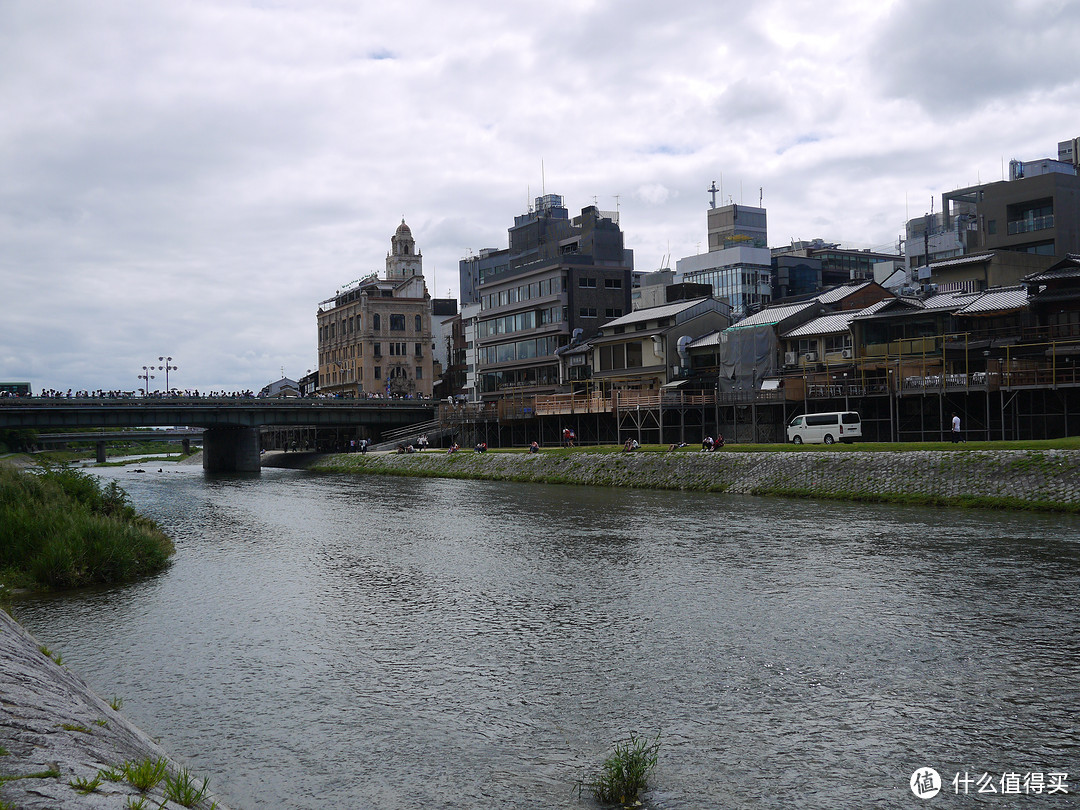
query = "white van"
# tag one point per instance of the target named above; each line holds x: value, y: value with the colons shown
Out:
x: 815, y: 428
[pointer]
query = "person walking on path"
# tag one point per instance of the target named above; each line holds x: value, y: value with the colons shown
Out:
x: 955, y: 428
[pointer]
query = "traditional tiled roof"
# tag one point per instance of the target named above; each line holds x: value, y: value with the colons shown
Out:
x: 1069, y: 267
x: 653, y: 313
x: 832, y: 324
x: 948, y: 300
x: 711, y: 339
x: 901, y: 305
x: 835, y: 322
x: 997, y: 300
x: 975, y: 258
x: 841, y: 292
x: 774, y: 315
x: 874, y: 307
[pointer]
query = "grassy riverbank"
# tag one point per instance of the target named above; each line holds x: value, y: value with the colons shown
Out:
x: 1037, y: 478
x: 62, y: 529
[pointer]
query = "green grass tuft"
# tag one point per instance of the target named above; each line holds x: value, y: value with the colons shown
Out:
x: 85, y: 786
x: 184, y: 790
x: 625, y: 774
x: 146, y: 774
x: 51, y: 773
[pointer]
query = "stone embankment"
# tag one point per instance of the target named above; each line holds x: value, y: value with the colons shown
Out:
x: 1016, y: 479
x: 54, y: 731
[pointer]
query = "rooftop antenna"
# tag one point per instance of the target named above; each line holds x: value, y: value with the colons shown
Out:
x: 712, y: 190
x: 543, y: 180
x: 617, y: 203
x: 760, y: 195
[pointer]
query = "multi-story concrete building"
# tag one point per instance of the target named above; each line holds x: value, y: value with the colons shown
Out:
x: 737, y: 226
x: 737, y: 265
x: 375, y: 334
x: 838, y: 265
x: 470, y: 317
x: 474, y: 269
x: 1069, y: 151
x: 1035, y: 211
x: 561, y: 276
x: 740, y: 276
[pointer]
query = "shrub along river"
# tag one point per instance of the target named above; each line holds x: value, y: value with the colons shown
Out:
x: 325, y: 641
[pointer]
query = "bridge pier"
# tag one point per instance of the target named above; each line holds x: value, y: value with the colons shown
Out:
x: 100, y: 447
x: 231, y: 449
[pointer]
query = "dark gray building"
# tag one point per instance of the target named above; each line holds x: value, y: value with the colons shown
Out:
x: 474, y: 269
x: 561, y: 275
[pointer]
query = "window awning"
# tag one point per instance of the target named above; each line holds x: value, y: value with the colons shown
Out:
x: 674, y: 384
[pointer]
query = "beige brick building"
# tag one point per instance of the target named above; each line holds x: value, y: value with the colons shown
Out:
x: 375, y: 334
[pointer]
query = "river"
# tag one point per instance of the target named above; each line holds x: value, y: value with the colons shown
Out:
x: 344, y: 642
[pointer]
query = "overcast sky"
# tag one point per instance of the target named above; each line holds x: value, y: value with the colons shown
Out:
x: 190, y: 179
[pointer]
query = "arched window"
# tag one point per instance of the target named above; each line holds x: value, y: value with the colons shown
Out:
x: 419, y: 323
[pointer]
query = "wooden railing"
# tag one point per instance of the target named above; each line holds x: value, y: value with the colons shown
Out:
x: 561, y: 404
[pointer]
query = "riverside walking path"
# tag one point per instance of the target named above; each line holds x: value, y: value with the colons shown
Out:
x: 1013, y: 479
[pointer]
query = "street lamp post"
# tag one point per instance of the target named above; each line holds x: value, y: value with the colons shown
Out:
x: 166, y: 368
x: 146, y: 377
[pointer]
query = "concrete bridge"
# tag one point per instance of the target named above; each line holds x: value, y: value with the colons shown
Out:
x: 231, y: 426
x: 101, y: 438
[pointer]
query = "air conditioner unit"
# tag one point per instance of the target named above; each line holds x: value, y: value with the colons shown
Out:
x: 810, y: 357
x: 846, y: 354
x: 791, y: 358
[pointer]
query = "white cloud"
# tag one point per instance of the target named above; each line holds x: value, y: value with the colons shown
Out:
x: 192, y: 179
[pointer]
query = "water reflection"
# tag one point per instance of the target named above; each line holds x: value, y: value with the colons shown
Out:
x: 329, y: 641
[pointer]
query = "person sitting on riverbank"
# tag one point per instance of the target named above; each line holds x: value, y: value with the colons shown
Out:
x: 534, y: 448
x: 454, y: 447
x: 707, y: 444
x: 718, y: 442
x: 481, y: 447
x: 631, y: 445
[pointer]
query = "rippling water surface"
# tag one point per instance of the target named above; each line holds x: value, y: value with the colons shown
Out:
x: 364, y: 642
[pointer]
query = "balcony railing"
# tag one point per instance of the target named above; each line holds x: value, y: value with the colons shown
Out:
x: 1029, y: 225
x: 564, y: 404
